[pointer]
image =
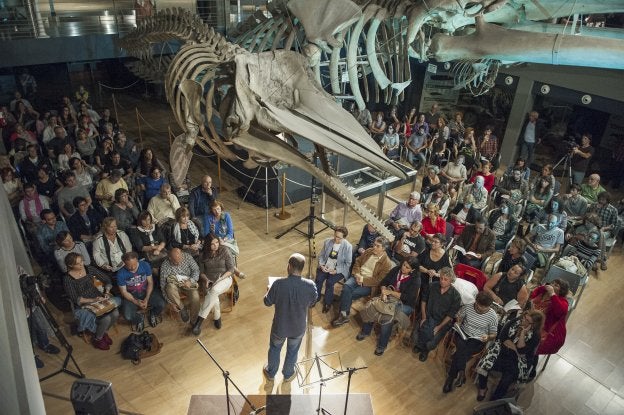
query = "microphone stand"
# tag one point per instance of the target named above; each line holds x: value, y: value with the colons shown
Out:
x: 351, y: 371
x: 227, y: 379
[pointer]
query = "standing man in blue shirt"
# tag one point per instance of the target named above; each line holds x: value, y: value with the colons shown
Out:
x: 292, y: 297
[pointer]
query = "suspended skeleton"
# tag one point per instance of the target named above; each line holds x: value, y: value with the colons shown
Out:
x: 272, y: 90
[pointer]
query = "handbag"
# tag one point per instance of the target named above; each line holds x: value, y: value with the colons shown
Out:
x: 99, y: 308
x: 377, y: 310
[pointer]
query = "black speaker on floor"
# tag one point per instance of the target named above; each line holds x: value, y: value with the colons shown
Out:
x: 93, y: 397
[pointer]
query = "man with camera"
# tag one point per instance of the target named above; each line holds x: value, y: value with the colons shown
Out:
x: 580, y: 158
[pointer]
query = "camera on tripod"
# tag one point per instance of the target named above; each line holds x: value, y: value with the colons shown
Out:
x: 571, y: 145
x: 29, y: 283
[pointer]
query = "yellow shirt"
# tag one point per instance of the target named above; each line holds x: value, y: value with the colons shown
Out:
x: 106, y: 189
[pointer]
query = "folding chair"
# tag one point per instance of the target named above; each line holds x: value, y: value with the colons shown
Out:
x: 474, y: 275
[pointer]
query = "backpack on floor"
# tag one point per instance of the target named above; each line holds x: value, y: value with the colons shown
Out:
x: 138, y: 346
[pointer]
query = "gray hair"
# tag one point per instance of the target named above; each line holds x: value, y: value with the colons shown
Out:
x: 448, y: 272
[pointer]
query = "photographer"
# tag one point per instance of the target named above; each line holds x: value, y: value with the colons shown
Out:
x: 581, y: 156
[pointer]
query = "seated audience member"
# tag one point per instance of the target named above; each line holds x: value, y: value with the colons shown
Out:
x: 47, y: 184
x: 21, y: 137
x: 66, y: 245
x: 115, y: 162
x: 102, y: 156
x: 489, y: 178
x: 148, y: 239
x: 67, y: 118
x: 106, y: 188
x: 334, y: 262
x: 219, y: 223
x: 80, y: 288
x: 592, y: 189
x: 184, y: 233
x: 410, y: 244
x: 46, y: 234
x: 127, y: 148
x: 69, y: 192
x: 551, y: 300
x: 85, y: 145
x: 521, y: 166
x: 137, y: 292
x: 30, y: 165
x: 146, y: 161
x: 545, y: 239
x: 421, y: 123
x: 511, y: 354
x: 416, y: 145
x: 403, y: 283
x: 545, y: 174
x: 587, y: 250
x: 514, y: 255
x: 457, y: 127
x: 454, y: 174
x: 67, y: 153
x: 591, y: 222
x: 431, y: 181
x: 574, y: 204
x: 405, y: 213
x: 108, y: 118
x: 31, y: 206
x: 479, y: 324
x: 202, y: 197
x: 151, y: 185
x: 433, y: 223
x: 378, y: 126
x: 216, y: 265
x: 488, y: 144
x: 503, y: 224
x: 608, y: 215
x: 109, y: 246
x: 179, y: 273
x: 555, y: 207
x: 368, y: 271
x: 539, y: 197
x: 363, y: 117
x: 85, y: 223
x: 477, y: 238
x: 432, y: 260
x: 440, y: 197
x: 164, y: 205
x: 367, y: 239
x: 463, y: 214
x: 390, y: 143
x: 123, y: 210
x: 12, y: 186
x: 467, y: 148
x: 478, y: 192
x: 84, y: 173
x: 437, y: 148
x: 57, y: 143
x: 514, y: 181
x: 506, y: 286
x: 438, y: 307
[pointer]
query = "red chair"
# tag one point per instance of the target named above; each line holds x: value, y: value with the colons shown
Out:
x: 474, y: 275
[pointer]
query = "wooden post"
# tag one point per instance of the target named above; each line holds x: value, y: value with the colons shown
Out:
x: 139, y: 125
x: 115, y: 108
x: 283, y: 214
x: 219, y: 172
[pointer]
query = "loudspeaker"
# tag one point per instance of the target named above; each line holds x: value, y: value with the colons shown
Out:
x: 93, y: 397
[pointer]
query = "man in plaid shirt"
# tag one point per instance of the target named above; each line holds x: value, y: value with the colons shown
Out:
x: 609, y: 218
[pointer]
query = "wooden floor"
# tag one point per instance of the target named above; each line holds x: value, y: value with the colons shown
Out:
x: 585, y: 377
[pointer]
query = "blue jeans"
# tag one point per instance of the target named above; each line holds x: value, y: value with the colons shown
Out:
x: 385, y: 329
x: 292, y: 350
x: 329, y: 285
x: 412, y: 157
x: 423, y: 335
x: 129, y: 310
x: 352, y: 291
x: 530, y: 149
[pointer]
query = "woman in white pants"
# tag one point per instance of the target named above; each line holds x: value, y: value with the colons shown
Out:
x: 216, y: 265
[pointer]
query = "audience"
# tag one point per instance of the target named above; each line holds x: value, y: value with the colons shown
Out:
x: 179, y: 274
x: 334, y: 262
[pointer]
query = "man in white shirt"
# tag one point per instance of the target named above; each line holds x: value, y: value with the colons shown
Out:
x: 164, y: 205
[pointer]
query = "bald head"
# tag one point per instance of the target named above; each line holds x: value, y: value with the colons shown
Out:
x: 175, y: 256
x: 296, y: 262
x: 206, y: 183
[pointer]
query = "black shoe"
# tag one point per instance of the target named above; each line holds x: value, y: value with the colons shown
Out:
x: 361, y: 336
x: 217, y: 323
x: 51, y: 349
x: 325, y: 308
x: 423, y: 356
x: 481, y: 395
x: 459, y: 382
x: 448, y: 385
x: 184, y: 315
x: 379, y: 351
x: 197, y: 326
x: 340, y: 320
x: 416, y: 349
x: 38, y: 362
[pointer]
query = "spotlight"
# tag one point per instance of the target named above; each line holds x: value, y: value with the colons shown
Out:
x: 545, y: 89
x: 509, y: 80
x: 447, y: 65
x: 586, y: 99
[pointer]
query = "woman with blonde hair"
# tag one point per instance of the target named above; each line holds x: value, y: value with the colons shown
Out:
x: 433, y: 223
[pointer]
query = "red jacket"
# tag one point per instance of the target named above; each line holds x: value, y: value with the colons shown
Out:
x: 554, y: 331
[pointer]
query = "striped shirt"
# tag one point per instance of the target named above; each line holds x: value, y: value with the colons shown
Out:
x: 475, y: 324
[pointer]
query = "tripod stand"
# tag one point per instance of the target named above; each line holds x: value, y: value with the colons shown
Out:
x: 34, y: 300
x: 228, y: 380
x: 567, y: 168
x: 310, y: 234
